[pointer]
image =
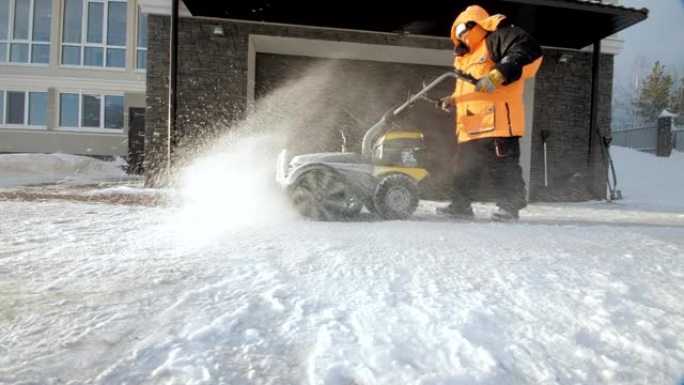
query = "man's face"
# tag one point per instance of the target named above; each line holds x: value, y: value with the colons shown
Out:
x: 463, y: 30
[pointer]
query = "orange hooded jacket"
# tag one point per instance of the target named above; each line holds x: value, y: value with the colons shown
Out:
x: 500, y: 113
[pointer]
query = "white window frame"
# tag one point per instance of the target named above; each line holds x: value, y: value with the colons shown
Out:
x: 84, y: 37
x: 138, y: 48
x: 101, y: 129
x: 29, y: 42
x: 26, y: 125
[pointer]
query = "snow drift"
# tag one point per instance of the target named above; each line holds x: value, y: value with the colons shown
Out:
x: 31, y: 169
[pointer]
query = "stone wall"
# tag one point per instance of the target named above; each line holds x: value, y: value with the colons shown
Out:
x: 562, y: 105
x: 212, y: 75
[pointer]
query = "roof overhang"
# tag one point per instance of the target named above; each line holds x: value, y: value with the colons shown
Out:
x: 162, y: 7
x: 573, y: 24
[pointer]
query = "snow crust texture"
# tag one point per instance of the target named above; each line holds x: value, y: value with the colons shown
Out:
x: 109, y: 294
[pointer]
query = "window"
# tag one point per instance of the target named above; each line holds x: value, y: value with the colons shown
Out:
x: 37, y: 115
x: 94, y: 33
x: 16, y: 103
x: 141, y: 52
x: 68, y: 110
x: 22, y: 108
x: 91, y: 111
x: 113, y: 112
x: 25, y: 31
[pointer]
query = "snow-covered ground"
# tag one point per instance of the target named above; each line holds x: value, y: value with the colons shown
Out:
x: 34, y: 169
x: 649, y: 181
x: 229, y: 287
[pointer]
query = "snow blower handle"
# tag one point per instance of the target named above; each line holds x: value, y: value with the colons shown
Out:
x: 376, y: 130
x: 458, y: 75
x: 466, y: 77
x: 420, y: 95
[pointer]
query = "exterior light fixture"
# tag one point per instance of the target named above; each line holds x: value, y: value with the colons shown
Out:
x: 218, y: 30
x: 565, y: 58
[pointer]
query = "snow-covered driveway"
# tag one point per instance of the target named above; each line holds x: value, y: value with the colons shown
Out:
x: 112, y: 294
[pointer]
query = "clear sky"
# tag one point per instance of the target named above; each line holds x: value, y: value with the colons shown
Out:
x: 660, y: 37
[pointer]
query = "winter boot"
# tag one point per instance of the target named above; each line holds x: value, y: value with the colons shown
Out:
x: 456, y: 211
x: 505, y: 215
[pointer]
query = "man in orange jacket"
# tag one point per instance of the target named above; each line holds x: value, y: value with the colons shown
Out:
x: 490, y: 115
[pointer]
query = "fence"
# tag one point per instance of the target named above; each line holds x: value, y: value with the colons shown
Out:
x: 678, y: 138
x: 641, y: 138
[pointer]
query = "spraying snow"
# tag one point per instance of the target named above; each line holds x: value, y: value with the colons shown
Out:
x: 231, y: 183
x: 231, y: 187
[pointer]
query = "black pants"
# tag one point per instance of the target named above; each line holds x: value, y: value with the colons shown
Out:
x: 500, y: 158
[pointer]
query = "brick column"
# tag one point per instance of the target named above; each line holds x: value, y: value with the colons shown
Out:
x: 664, y: 137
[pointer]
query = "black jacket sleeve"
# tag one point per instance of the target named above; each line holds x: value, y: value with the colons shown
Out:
x: 512, y: 49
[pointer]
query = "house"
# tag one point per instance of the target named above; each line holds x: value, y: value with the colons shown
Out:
x: 72, y: 75
x: 80, y: 85
x: 231, y: 54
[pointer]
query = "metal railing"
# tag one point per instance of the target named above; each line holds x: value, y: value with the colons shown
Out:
x: 678, y: 138
x: 642, y: 138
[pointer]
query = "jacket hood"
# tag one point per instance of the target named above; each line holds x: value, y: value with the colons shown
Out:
x: 480, y: 16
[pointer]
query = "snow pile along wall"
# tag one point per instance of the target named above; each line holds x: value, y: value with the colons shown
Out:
x: 28, y: 169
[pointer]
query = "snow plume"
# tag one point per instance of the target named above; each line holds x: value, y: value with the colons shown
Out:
x: 230, y: 183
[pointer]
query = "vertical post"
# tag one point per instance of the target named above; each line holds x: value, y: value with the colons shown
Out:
x: 173, y: 61
x: 593, y: 117
x: 664, y: 136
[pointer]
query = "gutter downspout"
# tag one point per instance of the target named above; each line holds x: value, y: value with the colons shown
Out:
x: 594, y: 103
x: 173, y: 63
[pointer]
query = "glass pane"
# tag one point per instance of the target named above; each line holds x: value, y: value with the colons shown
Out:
x: 38, y: 108
x: 3, y: 52
x: 114, y: 111
x: 95, y: 20
x: 73, y: 13
x: 141, y: 62
x: 2, y: 107
x: 116, y: 57
x: 71, y: 55
x: 4, y: 18
x: 68, y: 110
x: 15, y: 107
x: 42, y: 9
x: 90, y: 116
x: 40, y: 54
x: 142, y: 29
x: 21, y: 19
x: 92, y: 56
x: 19, y: 53
x: 116, y: 23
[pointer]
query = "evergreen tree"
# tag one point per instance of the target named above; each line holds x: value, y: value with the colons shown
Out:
x: 677, y: 104
x: 654, y: 95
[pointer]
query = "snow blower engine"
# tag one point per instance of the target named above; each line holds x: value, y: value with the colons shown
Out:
x: 386, y: 177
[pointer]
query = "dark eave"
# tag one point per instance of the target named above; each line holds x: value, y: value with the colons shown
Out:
x: 557, y: 23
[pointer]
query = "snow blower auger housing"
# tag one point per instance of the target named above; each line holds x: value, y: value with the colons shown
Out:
x: 385, y: 177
